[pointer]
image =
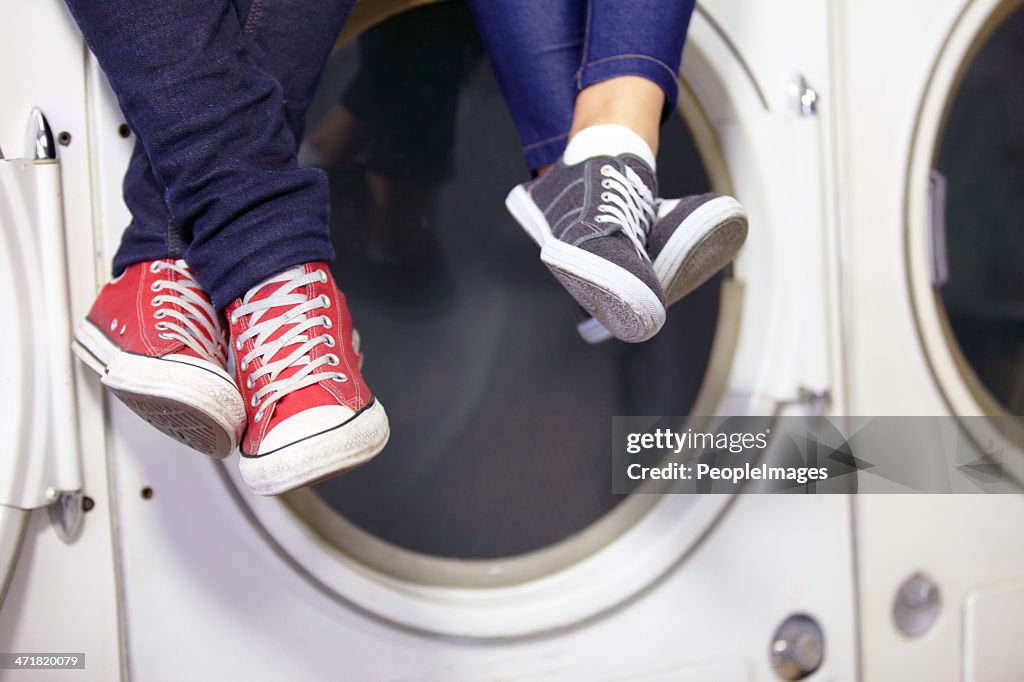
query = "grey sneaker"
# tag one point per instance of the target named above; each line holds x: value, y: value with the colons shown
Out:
x: 591, y: 221
x: 692, y: 239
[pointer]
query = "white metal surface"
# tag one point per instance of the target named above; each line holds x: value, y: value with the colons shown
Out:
x: 993, y: 630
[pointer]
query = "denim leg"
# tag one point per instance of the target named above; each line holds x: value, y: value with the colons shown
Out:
x: 291, y: 40
x: 535, y: 47
x: 545, y: 51
x: 151, y: 234
x: 636, y: 38
x: 211, y: 119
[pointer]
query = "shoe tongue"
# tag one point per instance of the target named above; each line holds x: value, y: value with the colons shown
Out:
x: 265, y: 290
x: 193, y: 312
x: 293, y: 402
x: 641, y: 168
x: 267, y: 287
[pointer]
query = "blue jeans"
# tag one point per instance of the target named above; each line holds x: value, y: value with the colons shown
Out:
x: 545, y: 51
x: 216, y: 92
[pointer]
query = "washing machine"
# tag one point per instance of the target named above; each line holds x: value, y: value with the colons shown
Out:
x: 930, y: 217
x: 484, y: 543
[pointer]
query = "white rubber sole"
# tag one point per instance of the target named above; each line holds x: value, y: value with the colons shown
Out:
x: 703, y: 244
x: 192, y: 402
x: 319, y: 457
x: 617, y: 298
x: 528, y: 215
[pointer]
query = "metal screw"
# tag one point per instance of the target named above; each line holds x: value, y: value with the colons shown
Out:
x: 798, y: 648
x: 87, y: 504
x: 804, y: 96
x: 147, y: 493
x: 50, y: 495
x: 917, y: 605
x: 64, y: 139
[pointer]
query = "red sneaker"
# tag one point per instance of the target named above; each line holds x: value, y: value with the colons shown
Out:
x: 311, y: 415
x: 159, y: 346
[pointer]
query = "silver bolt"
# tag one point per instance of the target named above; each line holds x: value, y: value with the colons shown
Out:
x: 50, y: 495
x: 805, y: 98
x: 917, y: 605
x: 798, y: 648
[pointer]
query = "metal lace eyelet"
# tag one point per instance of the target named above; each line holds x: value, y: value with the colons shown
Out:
x: 238, y: 344
x: 606, y: 170
x: 157, y: 285
x: 340, y: 378
x: 326, y: 322
x: 606, y: 196
x: 166, y: 337
x: 324, y: 301
x: 159, y: 314
x: 252, y: 402
x: 156, y: 301
x: 323, y: 277
x: 155, y: 267
x: 113, y: 325
x: 244, y: 365
x: 258, y: 416
x: 333, y: 360
x: 329, y: 340
x: 249, y: 383
x: 160, y: 326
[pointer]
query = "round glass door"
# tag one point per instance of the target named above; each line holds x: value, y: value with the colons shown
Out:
x: 500, y: 413
x: 981, y: 159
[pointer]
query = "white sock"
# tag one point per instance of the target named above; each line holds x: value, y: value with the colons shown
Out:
x: 609, y: 140
x: 310, y: 156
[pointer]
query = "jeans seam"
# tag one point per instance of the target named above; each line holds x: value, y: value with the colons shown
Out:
x: 254, y: 16
x: 660, y: 63
x: 586, y: 46
x: 541, y: 143
x: 173, y: 241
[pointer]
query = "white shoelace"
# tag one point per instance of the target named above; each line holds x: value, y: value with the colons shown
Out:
x: 189, y: 310
x: 628, y: 203
x: 264, y: 324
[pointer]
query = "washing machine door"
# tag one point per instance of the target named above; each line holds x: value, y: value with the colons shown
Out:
x: 965, y: 194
